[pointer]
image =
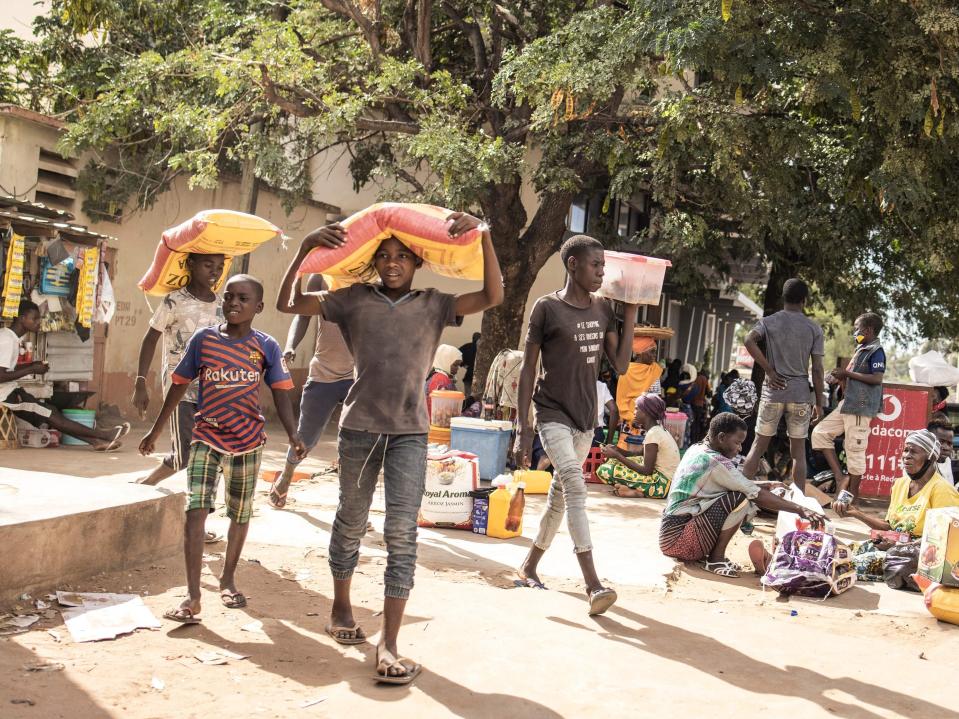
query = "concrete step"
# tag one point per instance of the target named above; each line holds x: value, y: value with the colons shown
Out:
x: 57, y: 528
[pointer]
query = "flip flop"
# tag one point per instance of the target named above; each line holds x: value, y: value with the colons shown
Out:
x: 182, y: 615
x: 412, y: 669
x: 232, y: 600
x: 601, y: 600
x: 528, y: 582
x: 121, y: 431
x: 212, y: 538
x: 356, y: 639
x: 280, y: 501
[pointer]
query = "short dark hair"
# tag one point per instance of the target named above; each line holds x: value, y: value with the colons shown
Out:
x: 940, y: 424
x: 249, y: 279
x: 576, y: 246
x: 199, y: 255
x: 27, y: 306
x: 476, y: 336
x: 872, y: 320
x: 795, y: 291
x: 732, y: 374
x: 726, y: 423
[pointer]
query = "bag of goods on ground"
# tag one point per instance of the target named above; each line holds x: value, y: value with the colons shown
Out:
x: 939, y: 552
x: 210, y: 232
x: 810, y: 564
x: 451, y: 478
x: 787, y: 521
x: 422, y: 228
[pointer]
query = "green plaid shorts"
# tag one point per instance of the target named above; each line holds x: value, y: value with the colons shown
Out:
x: 239, y: 474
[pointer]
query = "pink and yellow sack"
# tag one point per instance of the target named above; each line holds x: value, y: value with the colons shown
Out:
x: 422, y: 228
x: 210, y: 232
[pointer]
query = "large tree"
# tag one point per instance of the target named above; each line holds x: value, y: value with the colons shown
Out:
x: 815, y: 137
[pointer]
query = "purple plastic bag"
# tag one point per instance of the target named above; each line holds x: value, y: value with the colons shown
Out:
x: 810, y: 564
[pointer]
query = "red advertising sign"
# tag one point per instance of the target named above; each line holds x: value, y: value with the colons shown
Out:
x: 904, y: 409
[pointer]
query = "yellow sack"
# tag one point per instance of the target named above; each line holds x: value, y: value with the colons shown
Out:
x: 422, y: 228
x: 210, y: 232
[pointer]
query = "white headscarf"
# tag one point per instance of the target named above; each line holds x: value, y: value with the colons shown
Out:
x: 926, y: 441
x: 444, y: 358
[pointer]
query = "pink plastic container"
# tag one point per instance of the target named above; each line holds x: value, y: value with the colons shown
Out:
x: 633, y: 279
x: 675, y: 424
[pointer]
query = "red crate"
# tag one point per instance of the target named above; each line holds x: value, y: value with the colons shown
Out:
x: 592, y: 463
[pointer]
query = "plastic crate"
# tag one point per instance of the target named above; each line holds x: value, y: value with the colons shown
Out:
x: 591, y: 464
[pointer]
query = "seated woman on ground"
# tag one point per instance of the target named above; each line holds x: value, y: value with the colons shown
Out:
x: 648, y: 472
x: 710, y: 498
x: 920, y: 489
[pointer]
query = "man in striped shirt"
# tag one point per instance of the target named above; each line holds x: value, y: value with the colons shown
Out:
x: 230, y: 361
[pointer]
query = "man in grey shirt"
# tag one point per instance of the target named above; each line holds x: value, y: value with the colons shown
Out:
x: 792, y: 340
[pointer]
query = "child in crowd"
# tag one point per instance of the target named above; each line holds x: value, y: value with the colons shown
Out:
x: 648, y: 472
x: 861, y: 381
x: 180, y: 314
x: 230, y: 360
x: 329, y: 381
x: 37, y: 411
x: 392, y: 332
x: 570, y: 328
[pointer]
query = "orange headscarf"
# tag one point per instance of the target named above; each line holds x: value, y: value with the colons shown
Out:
x: 643, y: 344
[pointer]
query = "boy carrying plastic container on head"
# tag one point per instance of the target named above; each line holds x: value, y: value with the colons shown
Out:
x: 230, y: 361
x: 393, y: 332
x: 571, y: 328
x: 180, y: 314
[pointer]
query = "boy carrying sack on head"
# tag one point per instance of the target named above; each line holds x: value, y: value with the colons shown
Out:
x: 571, y: 328
x: 230, y: 360
x: 392, y: 332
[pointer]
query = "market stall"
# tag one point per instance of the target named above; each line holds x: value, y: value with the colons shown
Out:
x: 65, y: 269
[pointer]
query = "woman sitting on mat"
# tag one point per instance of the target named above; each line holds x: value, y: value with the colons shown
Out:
x: 710, y: 498
x: 650, y: 475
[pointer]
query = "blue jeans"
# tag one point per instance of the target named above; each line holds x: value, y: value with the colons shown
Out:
x: 567, y: 449
x: 317, y: 403
x: 403, y: 460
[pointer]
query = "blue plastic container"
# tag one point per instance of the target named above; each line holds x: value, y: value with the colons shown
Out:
x: 487, y: 440
x: 86, y: 417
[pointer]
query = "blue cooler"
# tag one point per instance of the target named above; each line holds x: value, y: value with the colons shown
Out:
x: 488, y: 440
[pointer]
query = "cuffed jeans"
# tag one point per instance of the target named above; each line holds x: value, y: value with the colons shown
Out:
x: 567, y: 449
x: 317, y: 403
x: 403, y: 460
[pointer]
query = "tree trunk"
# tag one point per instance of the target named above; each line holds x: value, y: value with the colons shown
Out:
x: 521, y: 258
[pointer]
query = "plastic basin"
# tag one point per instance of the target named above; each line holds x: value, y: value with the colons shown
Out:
x: 633, y: 279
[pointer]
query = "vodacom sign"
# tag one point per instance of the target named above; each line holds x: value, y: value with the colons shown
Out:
x: 904, y: 408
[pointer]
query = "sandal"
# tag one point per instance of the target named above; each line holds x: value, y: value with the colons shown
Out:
x: 277, y: 500
x: 387, y: 661
x: 358, y: 636
x: 182, y: 615
x: 212, y: 538
x: 121, y: 431
x: 724, y: 568
x: 232, y: 600
x: 600, y: 600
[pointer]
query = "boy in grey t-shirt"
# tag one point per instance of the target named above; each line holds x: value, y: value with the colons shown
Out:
x: 792, y: 341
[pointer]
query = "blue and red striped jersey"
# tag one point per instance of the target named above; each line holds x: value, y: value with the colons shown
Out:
x: 228, y: 414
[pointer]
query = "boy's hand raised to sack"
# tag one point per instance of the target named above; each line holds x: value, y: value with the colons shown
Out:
x: 463, y: 222
x: 327, y: 237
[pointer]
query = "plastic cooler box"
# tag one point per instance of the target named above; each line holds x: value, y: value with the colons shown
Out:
x: 633, y: 279
x: 488, y: 440
x: 86, y: 417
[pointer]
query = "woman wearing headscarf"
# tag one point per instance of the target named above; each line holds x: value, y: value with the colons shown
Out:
x: 920, y: 489
x: 446, y: 363
x: 641, y: 376
x: 648, y: 472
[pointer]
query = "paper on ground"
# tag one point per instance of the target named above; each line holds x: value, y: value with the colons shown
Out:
x: 92, y: 616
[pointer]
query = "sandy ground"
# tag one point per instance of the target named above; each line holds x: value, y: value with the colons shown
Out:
x: 679, y: 641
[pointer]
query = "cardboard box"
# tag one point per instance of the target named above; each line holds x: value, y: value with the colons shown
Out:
x: 939, y: 552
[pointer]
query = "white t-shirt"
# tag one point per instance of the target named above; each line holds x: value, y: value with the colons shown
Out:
x: 603, y: 396
x: 945, y: 469
x: 9, y: 354
x: 667, y: 451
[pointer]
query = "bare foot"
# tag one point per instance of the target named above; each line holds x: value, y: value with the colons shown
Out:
x: 621, y: 491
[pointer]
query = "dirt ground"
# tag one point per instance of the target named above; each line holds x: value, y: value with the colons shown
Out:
x: 679, y: 642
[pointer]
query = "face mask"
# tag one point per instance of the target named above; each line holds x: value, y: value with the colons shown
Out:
x: 859, y: 339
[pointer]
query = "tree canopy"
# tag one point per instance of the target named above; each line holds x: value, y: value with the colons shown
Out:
x: 818, y: 137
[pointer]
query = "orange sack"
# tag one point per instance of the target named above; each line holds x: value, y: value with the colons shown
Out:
x: 422, y: 228
x: 210, y: 232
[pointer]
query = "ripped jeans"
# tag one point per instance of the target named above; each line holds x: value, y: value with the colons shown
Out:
x: 567, y: 449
